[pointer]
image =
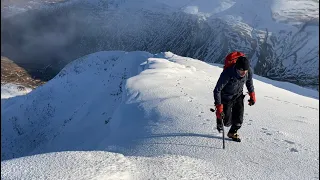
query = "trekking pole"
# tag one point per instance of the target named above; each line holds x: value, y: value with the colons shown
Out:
x: 223, y: 144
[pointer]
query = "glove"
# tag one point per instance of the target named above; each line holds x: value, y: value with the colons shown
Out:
x: 219, y: 112
x: 252, y: 99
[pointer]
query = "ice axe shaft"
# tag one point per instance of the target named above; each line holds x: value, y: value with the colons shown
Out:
x: 223, y: 143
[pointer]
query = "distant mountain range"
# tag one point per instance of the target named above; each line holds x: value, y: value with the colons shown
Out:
x: 281, y: 41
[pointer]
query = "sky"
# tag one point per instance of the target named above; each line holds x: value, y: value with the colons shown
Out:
x: 137, y: 115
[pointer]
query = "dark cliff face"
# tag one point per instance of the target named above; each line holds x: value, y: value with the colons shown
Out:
x: 48, y: 39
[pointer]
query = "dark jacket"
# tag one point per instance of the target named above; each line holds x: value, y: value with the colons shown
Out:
x: 230, y: 85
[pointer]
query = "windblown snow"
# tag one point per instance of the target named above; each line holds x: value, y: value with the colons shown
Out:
x: 137, y: 115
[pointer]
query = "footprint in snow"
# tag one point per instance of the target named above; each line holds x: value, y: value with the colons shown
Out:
x: 249, y: 123
x: 293, y: 150
x: 302, y: 117
x: 300, y: 121
x: 290, y: 142
x: 265, y: 130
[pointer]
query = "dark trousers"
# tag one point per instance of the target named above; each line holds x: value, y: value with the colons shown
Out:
x: 233, y: 113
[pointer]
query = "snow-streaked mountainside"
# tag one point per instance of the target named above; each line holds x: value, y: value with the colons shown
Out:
x: 137, y: 115
x: 281, y: 37
x: 14, y: 7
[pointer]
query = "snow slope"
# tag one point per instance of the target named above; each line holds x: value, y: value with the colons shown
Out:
x: 137, y: 115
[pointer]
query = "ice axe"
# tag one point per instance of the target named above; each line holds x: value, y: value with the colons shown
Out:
x: 223, y: 144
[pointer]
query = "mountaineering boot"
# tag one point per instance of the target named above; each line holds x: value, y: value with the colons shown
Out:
x: 233, y: 134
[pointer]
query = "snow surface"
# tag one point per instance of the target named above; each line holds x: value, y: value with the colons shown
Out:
x: 136, y: 115
x: 105, y: 165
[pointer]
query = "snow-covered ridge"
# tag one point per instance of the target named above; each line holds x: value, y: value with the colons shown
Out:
x: 279, y: 36
x: 47, y: 107
x: 152, y: 110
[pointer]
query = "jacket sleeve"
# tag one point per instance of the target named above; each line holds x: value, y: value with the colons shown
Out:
x: 249, y: 82
x: 223, y: 80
